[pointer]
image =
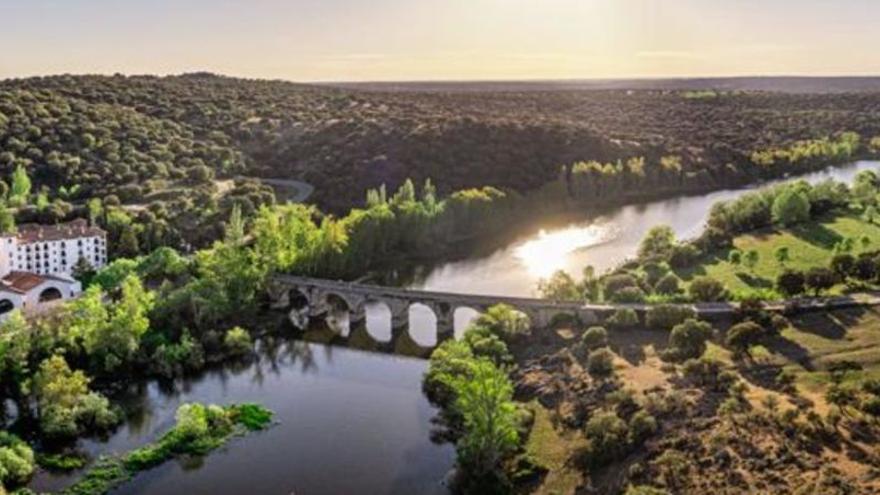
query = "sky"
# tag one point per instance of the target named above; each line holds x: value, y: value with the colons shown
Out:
x: 387, y: 40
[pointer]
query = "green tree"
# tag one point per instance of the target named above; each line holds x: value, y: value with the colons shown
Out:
x: 237, y: 342
x: 608, y: 436
x: 688, y: 339
x: 750, y: 259
x: 600, y: 364
x: 66, y: 405
x: 235, y: 226
x: 819, y: 279
x: 791, y: 283
x: 735, y: 257
x: 560, y: 287
x: 485, y: 402
x: 707, y: 289
x: 791, y: 206
x: 21, y: 186
x: 782, y: 255
x: 658, y: 243
x: 742, y: 336
x: 594, y: 338
x: 7, y: 220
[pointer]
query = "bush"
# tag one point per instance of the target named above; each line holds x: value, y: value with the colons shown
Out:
x: 505, y: 322
x: 666, y: 316
x: 16, y: 460
x: 843, y: 265
x: 641, y: 426
x: 688, y: 339
x: 237, y: 342
x: 623, y: 318
x: 629, y: 295
x: 615, y: 283
x: 600, y: 363
x: 819, y: 279
x: 484, y: 343
x: 707, y: 289
x: 608, y: 436
x: 684, y: 255
x: 742, y: 336
x: 791, y: 207
x: 669, y: 284
x: 791, y: 283
x: 594, y: 338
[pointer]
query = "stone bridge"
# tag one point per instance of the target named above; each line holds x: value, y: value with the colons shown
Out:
x: 320, y: 297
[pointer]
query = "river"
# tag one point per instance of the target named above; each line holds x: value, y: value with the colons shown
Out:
x: 348, y: 422
x: 602, y: 241
x: 351, y: 421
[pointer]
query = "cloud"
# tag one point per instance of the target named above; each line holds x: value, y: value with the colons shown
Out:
x: 669, y: 55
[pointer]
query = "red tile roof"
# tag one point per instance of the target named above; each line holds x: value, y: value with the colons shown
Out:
x: 20, y: 282
x: 31, y: 232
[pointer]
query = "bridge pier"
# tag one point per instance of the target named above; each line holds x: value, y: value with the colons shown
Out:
x: 445, y: 315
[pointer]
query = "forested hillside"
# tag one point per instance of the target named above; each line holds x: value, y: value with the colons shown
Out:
x: 116, y: 134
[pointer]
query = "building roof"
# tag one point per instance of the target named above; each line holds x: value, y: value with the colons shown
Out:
x: 22, y: 282
x: 32, y: 232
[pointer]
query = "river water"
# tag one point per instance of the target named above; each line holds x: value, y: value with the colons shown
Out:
x: 348, y: 422
x: 351, y: 421
x: 602, y: 241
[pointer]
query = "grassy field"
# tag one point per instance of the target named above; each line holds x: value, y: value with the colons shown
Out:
x: 809, y: 245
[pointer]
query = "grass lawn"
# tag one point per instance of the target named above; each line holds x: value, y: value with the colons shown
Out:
x: 810, y: 245
x: 554, y: 450
x: 817, y: 340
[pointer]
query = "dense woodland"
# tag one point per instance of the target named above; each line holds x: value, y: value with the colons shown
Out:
x: 345, y: 141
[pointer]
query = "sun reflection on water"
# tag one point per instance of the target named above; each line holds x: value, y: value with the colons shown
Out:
x: 548, y: 252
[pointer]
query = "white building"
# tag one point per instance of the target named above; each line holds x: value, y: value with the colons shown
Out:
x: 36, y: 263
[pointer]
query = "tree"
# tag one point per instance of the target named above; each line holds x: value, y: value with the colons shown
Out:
x: 83, y: 270
x: 95, y: 210
x: 21, y: 186
x: 742, y: 336
x: 485, y: 402
x: 7, y: 220
x: 707, y: 289
x: 600, y: 363
x: 608, y: 436
x: 735, y: 257
x: 66, y: 405
x: 560, y: 287
x: 15, y: 348
x: 791, y: 283
x: 819, y: 279
x: 688, y: 339
x: 594, y: 338
x: 750, y: 259
x: 843, y: 265
x: 504, y: 321
x: 782, y: 255
x: 665, y: 316
x: 657, y: 244
x: 235, y: 227
x: 17, y: 463
x: 791, y: 206
x: 841, y: 396
x: 111, y: 335
x: 237, y: 342
x: 669, y: 284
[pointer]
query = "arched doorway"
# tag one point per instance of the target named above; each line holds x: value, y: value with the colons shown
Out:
x: 50, y: 294
x: 6, y: 306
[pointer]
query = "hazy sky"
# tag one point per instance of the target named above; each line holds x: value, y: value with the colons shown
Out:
x: 312, y: 40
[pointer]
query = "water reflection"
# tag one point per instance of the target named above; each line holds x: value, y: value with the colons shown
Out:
x: 602, y: 240
x: 349, y: 422
x: 546, y: 253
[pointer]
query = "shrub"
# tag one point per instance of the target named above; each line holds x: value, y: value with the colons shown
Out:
x: 791, y: 283
x: 16, y: 460
x: 688, y: 339
x: 629, y: 295
x: 684, y: 255
x: 658, y: 243
x: 594, y: 338
x: 608, y: 436
x: 791, y: 206
x: 614, y: 283
x: 666, y: 316
x: 505, y: 322
x: 623, y: 318
x: 819, y: 279
x: 707, y: 289
x: 742, y: 336
x: 843, y: 265
x: 641, y: 426
x: 669, y: 284
x: 600, y: 363
x: 237, y: 342
x: 484, y: 343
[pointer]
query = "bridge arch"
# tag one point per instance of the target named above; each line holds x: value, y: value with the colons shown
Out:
x: 422, y: 327
x: 378, y: 320
x: 337, y: 315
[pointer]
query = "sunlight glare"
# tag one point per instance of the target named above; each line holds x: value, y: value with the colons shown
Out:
x: 547, y: 253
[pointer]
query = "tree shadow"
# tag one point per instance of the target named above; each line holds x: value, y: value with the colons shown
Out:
x: 791, y: 351
x: 754, y: 281
x: 817, y: 235
x: 630, y: 344
x: 823, y: 324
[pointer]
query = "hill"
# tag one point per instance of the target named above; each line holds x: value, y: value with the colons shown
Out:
x: 346, y: 140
